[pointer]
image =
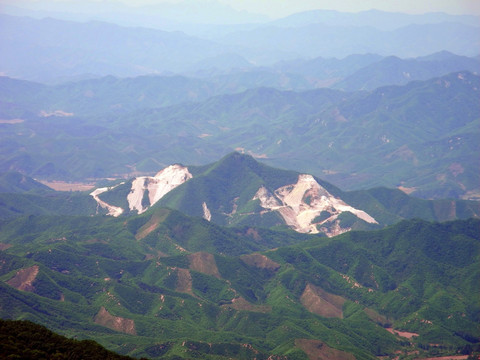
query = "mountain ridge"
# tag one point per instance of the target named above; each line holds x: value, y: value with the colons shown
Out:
x: 238, y: 190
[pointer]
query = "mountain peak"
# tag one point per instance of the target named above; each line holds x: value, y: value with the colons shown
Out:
x: 237, y: 158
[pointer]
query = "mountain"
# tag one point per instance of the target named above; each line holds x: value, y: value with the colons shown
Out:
x: 319, y: 39
x: 395, y: 71
x: 357, y: 140
x: 239, y: 191
x: 42, y: 49
x: 47, y: 203
x: 381, y: 20
x: 236, y: 191
x: 141, y: 286
x: 327, y: 71
x: 28, y: 340
x: 184, y: 16
x: 352, y: 139
x: 21, y: 195
x: 18, y: 183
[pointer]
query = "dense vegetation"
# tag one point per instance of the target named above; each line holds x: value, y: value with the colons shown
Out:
x: 164, y: 285
x: 27, y: 340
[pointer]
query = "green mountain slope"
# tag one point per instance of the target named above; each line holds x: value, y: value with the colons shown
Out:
x: 159, y: 284
x: 12, y: 182
x: 238, y: 190
x: 395, y: 71
x: 422, y: 136
x: 21, y: 195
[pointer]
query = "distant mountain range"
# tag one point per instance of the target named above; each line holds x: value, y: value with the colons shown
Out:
x: 381, y: 20
x: 422, y: 136
x: 40, y: 49
x: 396, y: 71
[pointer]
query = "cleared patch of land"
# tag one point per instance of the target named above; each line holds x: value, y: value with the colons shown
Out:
x: 404, y: 334
x: 320, y: 302
x: 151, y: 224
x: 241, y: 304
x: 4, y: 246
x: 116, y: 323
x: 260, y: 261
x: 11, y: 121
x: 68, y: 186
x: 24, y: 278
x: 407, y: 190
x: 205, y: 263
x: 184, y: 281
x: 317, y: 350
x: 59, y: 113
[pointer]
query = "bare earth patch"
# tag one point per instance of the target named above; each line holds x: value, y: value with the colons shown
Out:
x: 11, y: 121
x: 4, y: 246
x: 260, y: 261
x: 472, y: 195
x: 184, y: 281
x: 68, y: 186
x: 376, y: 317
x: 317, y: 350
x: 151, y: 224
x: 24, y: 278
x: 116, y: 323
x: 241, y: 304
x: 251, y: 232
x: 407, y: 190
x: 320, y: 302
x: 446, y: 212
x: 205, y: 263
x: 405, y: 334
x: 204, y: 135
x: 59, y: 113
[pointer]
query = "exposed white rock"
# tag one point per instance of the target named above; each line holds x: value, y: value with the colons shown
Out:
x: 114, y: 211
x: 207, y: 215
x: 299, y: 204
x: 157, y: 186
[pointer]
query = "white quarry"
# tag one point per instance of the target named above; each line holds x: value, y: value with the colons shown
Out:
x: 157, y: 186
x: 207, y: 215
x: 301, y: 203
x: 114, y: 211
x: 305, y: 206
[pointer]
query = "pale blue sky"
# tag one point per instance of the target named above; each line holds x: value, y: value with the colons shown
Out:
x: 279, y: 8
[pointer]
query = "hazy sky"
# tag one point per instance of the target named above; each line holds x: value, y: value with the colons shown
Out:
x: 284, y: 7
x: 278, y: 8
